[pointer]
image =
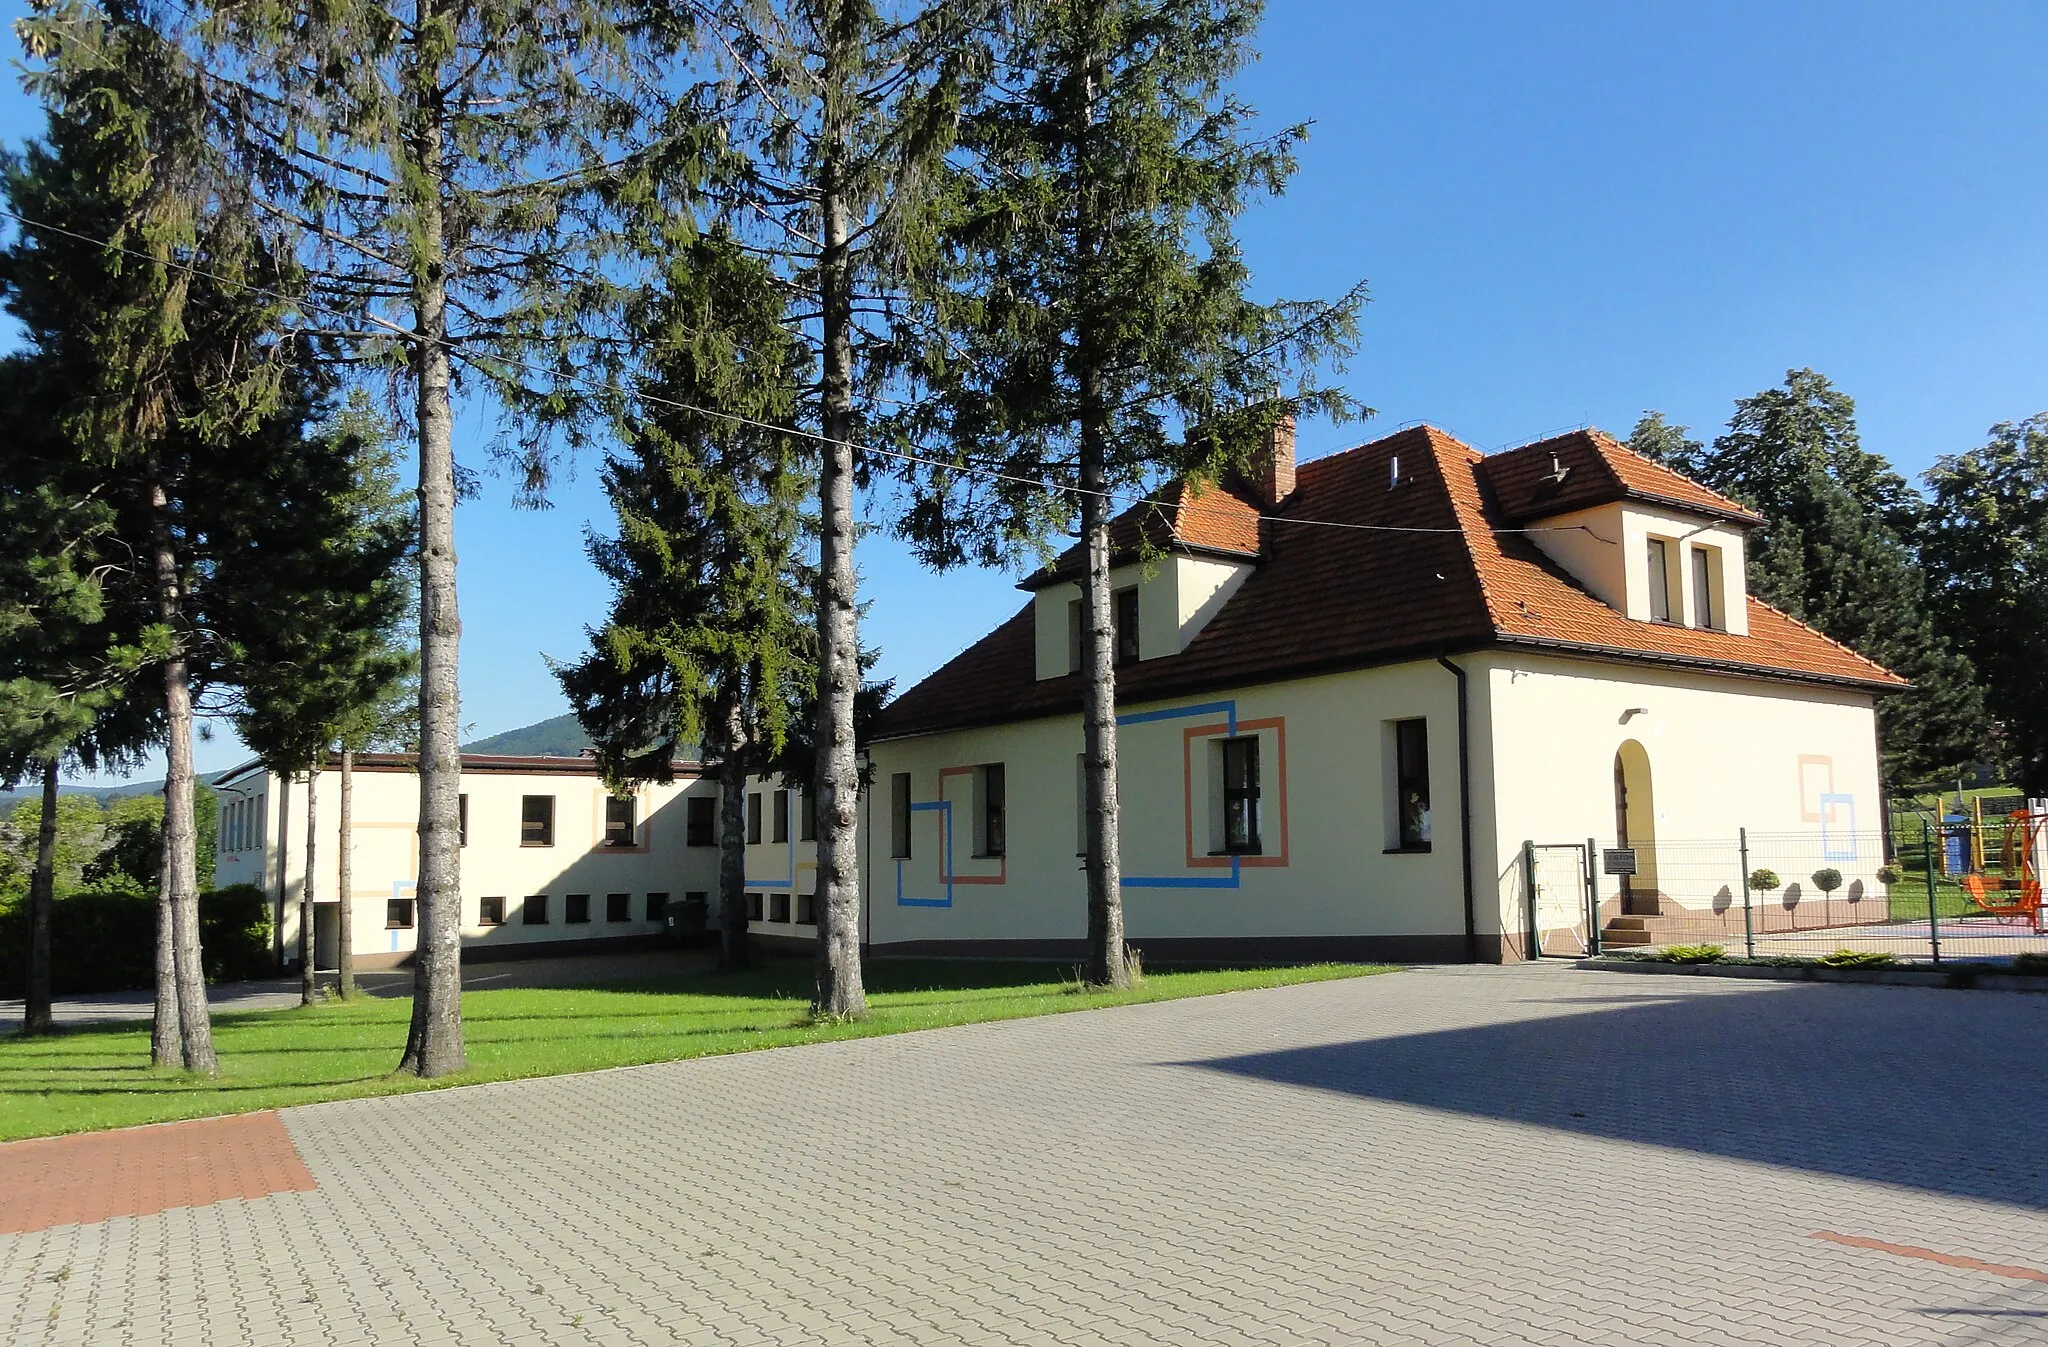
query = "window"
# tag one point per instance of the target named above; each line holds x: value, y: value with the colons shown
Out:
x: 807, y: 909
x: 1076, y: 634
x: 899, y: 816
x: 778, y: 907
x: 781, y: 824
x: 1706, y: 605
x: 576, y: 909
x: 462, y: 820
x: 537, y: 820
x: 618, y: 907
x: 807, y: 806
x: 398, y: 914
x: 753, y: 907
x: 1411, y: 785
x: 490, y: 912
x: 657, y: 906
x: 700, y: 821
x: 1124, y: 622
x: 754, y: 818
x: 1081, y: 804
x: 618, y: 821
x: 534, y: 911
x: 989, y: 806
x: 1660, y: 580
x: 1240, y: 773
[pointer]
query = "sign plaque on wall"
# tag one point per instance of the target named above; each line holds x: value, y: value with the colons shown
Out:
x: 1618, y: 860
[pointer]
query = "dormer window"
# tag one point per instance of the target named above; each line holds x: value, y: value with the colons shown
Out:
x: 1706, y: 591
x: 1660, y: 580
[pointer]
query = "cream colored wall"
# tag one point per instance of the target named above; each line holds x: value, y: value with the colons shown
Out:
x: 1177, y: 596
x: 385, y: 855
x: 1725, y: 754
x: 1336, y: 880
x: 777, y: 868
x: 1607, y: 549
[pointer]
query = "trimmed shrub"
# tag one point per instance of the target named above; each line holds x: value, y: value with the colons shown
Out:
x: 1889, y: 874
x: 1856, y: 958
x: 1827, y: 881
x: 1692, y: 954
x: 1763, y: 881
x: 106, y: 942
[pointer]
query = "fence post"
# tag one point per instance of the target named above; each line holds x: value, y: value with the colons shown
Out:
x: 1933, y: 916
x: 1529, y: 880
x: 1592, y: 896
x: 1748, y: 921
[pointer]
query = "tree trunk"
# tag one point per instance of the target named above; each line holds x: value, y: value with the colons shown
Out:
x: 434, y: 1044
x: 284, y: 851
x: 733, y: 954
x: 36, y: 1016
x: 1107, y: 965
x: 838, y: 991
x: 309, y: 978
x: 344, y: 884
x: 179, y: 886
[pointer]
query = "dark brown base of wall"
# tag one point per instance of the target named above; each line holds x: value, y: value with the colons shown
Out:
x: 1158, y: 952
x: 525, y: 949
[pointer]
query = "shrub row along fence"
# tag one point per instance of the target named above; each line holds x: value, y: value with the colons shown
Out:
x: 105, y: 942
x: 1941, y: 892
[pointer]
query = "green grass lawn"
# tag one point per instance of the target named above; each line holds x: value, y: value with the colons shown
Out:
x: 94, y: 1077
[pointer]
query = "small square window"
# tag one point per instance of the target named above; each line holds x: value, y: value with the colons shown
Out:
x: 618, y: 821
x: 778, y: 907
x: 700, y: 821
x: 657, y: 906
x: 807, y: 909
x: 490, y: 912
x: 398, y: 914
x: 576, y: 909
x: 537, y: 821
x: 781, y: 821
x: 618, y: 907
x: 754, y: 819
x: 534, y: 911
x: 753, y: 907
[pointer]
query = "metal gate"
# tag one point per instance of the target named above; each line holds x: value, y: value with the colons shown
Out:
x: 1558, y: 879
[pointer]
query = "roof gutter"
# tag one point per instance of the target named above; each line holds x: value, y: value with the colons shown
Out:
x: 1705, y: 664
x: 1465, y: 807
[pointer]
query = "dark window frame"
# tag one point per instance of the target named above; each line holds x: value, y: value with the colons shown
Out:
x: 462, y: 819
x: 575, y: 909
x: 533, y: 910
x: 393, y: 908
x: 1657, y: 567
x: 1124, y: 625
x: 657, y: 905
x: 753, y: 818
x: 536, y: 831
x: 700, y: 821
x: 483, y: 912
x: 618, y: 907
x: 807, y: 815
x: 778, y: 908
x: 992, y: 827
x: 899, y: 816
x: 621, y: 831
x: 1241, y: 795
x: 778, y: 828
x: 754, y: 907
x: 1412, y: 828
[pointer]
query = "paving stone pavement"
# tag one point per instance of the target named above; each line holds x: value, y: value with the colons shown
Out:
x: 1524, y: 1155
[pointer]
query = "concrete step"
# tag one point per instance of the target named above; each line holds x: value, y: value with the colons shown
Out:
x: 1628, y: 923
x: 1624, y: 938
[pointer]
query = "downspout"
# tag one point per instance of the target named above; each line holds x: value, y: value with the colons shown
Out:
x: 1465, y: 808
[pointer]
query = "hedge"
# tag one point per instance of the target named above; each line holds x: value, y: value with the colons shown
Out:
x: 105, y: 942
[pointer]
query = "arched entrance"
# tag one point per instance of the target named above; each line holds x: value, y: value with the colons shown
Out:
x: 1635, y: 826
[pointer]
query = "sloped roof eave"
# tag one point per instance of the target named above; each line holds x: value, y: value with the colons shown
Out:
x: 1048, y: 576
x: 1703, y: 663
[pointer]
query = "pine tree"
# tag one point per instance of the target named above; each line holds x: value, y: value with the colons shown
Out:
x: 1986, y: 549
x: 705, y: 643
x: 456, y: 180
x: 1099, y: 290
x: 137, y: 276
x: 1835, y: 553
x: 841, y: 117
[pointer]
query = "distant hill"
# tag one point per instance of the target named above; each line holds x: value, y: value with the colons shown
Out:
x: 560, y: 737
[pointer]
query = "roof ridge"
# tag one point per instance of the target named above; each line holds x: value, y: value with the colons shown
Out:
x: 1439, y: 441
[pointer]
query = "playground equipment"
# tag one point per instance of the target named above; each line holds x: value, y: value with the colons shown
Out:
x: 2014, y: 896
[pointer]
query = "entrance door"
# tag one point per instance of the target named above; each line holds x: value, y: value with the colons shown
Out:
x: 1635, y: 827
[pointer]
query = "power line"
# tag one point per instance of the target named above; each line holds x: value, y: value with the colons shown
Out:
x: 922, y: 460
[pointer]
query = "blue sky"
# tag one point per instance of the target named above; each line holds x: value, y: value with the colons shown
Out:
x: 1568, y: 213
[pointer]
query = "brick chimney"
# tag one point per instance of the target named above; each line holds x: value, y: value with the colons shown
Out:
x: 1277, y: 480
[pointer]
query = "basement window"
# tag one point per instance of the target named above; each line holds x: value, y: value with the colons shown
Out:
x: 490, y: 912
x: 398, y: 914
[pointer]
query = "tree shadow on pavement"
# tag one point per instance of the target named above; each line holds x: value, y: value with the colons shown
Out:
x: 1928, y: 1089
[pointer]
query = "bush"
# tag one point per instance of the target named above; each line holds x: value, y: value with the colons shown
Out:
x: 1856, y: 958
x: 2033, y: 962
x: 1692, y: 954
x: 106, y: 942
x: 1827, y: 881
x: 1763, y: 881
x: 1889, y: 874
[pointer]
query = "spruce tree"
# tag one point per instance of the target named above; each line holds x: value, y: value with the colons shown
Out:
x: 1836, y: 553
x: 1098, y: 294
x: 1986, y: 550
x: 705, y: 647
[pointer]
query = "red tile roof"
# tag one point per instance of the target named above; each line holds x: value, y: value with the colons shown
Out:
x: 1187, y: 516
x: 1596, y: 469
x: 1352, y: 572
